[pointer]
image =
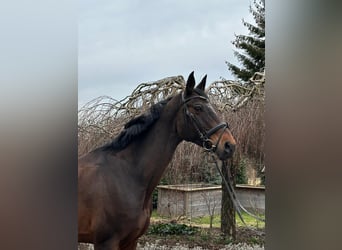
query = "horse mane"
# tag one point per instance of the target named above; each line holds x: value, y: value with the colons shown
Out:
x: 137, y: 126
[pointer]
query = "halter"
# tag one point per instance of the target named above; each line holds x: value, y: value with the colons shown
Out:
x: 203, y: 134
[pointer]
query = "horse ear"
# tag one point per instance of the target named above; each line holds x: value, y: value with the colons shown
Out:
x: 190, y: 84
x: 201, y: 85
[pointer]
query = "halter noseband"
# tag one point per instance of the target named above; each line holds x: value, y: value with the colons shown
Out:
x: 203, y: 134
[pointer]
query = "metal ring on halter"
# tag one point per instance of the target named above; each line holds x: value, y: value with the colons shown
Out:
x: 208, y: 145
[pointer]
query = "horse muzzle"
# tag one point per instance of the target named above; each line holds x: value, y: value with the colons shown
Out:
x: 224, y: 145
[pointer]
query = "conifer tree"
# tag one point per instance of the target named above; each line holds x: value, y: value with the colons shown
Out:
x: 250, y: 48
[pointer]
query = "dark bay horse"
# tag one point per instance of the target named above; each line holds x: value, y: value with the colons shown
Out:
x: 116, y: 181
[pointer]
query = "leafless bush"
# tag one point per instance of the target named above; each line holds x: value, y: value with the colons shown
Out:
x: 248, y: 128
x: 211, y: 203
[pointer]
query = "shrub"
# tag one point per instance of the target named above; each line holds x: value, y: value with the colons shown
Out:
x: 172, y: 229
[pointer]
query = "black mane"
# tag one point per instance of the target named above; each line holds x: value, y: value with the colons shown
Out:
x: 135, y: 127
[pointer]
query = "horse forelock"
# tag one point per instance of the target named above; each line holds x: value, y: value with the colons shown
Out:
x: 201, y: 92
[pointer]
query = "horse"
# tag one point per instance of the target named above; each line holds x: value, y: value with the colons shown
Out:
x: 116, y: 181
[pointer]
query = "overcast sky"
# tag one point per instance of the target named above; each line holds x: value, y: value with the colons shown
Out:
x: 123, y: 43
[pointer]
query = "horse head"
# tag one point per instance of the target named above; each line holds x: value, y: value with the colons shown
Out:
x: 198, y: 122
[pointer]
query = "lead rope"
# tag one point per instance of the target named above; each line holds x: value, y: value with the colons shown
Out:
x: 237, y: 204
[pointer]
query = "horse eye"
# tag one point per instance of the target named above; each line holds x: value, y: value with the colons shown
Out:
x: 198, y: 108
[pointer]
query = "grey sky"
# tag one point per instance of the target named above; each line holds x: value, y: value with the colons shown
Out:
x: 124, y: 43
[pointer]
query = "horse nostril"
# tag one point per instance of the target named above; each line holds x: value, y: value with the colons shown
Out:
x: 228, y: 147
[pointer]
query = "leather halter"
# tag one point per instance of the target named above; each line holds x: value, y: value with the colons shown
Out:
x: 203, y: 134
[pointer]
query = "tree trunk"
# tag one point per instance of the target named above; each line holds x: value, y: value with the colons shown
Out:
x: 228, y: 222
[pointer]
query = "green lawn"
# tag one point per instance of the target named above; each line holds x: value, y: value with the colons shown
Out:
x: 205, y: 221
x: 250, y: 221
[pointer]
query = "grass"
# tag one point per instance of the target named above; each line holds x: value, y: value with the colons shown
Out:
x: 205, y: 220
x: 250, y: 221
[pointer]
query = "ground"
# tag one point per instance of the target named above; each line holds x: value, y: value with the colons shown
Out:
x: 206, y: 239
x: 183, y: 234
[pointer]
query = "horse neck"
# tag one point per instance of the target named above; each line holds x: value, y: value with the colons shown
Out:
x: 154, y: 151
